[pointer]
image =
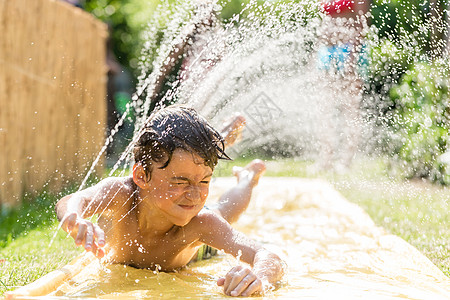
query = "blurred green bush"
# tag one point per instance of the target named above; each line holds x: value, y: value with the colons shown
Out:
x: 420, y: 120
x: 408, y: 99
x: 127, y: 19
x: 407, y: 89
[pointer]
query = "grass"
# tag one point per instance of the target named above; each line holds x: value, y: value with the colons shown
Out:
x: 25, y: 236
x: 417, y: 211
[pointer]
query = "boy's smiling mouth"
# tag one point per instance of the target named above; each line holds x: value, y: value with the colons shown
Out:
x: 187, y: 207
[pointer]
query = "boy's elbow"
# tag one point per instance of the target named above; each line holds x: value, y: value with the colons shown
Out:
x: 61, y: 207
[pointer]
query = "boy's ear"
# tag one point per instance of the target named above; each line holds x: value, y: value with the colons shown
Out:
x: 140, y: 177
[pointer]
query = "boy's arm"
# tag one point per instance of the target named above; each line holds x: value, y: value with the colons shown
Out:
x: 72, y: 210
x: 267, y: 267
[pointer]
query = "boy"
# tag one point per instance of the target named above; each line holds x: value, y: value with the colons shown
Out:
x: 157, y: 218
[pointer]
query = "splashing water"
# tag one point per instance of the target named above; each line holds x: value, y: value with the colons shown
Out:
x: 264, y: 63
x: 264, y: 66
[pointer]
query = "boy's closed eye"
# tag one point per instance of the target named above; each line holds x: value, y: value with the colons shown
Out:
x: 180, y: 183
x: 186, y: 181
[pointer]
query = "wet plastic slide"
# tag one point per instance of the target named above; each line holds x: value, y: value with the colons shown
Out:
x: 331, y: 246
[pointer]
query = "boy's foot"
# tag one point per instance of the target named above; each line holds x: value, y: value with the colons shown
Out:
x: 232, y: 129
x: 251, y: 172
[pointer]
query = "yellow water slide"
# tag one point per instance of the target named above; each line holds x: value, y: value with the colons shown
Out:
x: 331, y: 246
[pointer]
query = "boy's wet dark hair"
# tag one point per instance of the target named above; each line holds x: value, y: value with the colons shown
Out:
x: 176, y: 127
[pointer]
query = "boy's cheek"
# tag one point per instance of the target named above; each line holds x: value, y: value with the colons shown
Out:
x: 174, y: 192
x: 205, y: 191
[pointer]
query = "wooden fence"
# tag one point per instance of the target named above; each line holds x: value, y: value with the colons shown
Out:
x: 52, y: 95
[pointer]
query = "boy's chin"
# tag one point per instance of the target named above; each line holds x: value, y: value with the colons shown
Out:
x: 182, y: 223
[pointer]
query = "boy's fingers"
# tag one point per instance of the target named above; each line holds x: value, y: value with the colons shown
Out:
x: 89, y: 240
x: 100, y: 253
x: 254, y: 287
x: 70, y: 221
x: 220, y: 281
x: 93, y: 248
x: 229, y: 278
x: 236, y: 279
x: 96, y: 250
x: 82, y: 227
x: 86, y: 234
x: 100, y: 235
x: 244, y: 284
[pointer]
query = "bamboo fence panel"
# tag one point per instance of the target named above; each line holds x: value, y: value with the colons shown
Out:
x: 53, y: 77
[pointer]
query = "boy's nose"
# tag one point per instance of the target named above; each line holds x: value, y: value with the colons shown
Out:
x: 193, y: 193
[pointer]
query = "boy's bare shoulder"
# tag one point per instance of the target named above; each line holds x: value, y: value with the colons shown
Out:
x: 207, y: 219
x: 117, y: 187
x: 207, y: 214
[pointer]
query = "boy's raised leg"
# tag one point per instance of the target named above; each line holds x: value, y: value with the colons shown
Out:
x: 232, y: 129
x: 235, y: 201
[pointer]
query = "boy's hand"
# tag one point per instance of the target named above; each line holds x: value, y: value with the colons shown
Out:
x: 85, y: 233
x: 240, y: 281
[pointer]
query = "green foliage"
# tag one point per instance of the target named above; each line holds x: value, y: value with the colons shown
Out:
x: 231, y: 8
x: 388, y: 62
x: 406, y: 19
x: 420, y: 120
x: 407, y: 87
x: 404, y: 32
x: 164, y: 26
x: 246, y: 8
x: 130, y: 19
x: 401, y: 35
x: 127, y: 19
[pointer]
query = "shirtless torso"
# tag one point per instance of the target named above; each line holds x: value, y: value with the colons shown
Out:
x: 157, y: 220
x: 129, y: 244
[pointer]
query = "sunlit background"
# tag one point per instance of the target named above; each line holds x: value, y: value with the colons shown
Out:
x: 359, y: 99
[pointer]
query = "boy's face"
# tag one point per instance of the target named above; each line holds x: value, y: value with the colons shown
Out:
x: 180, y: 190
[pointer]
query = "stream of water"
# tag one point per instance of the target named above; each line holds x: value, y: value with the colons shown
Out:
x: 269, y: 67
